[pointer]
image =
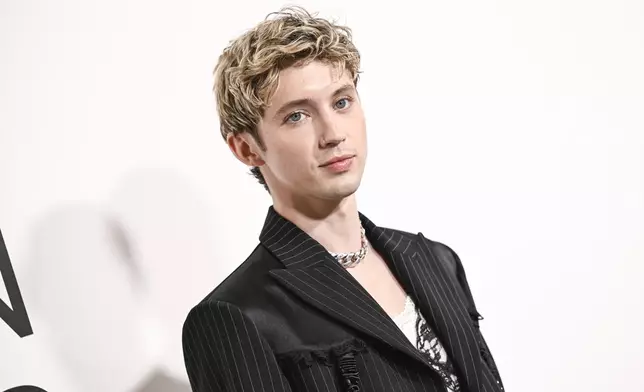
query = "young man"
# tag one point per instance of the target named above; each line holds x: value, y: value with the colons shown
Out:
x: 328, y: 301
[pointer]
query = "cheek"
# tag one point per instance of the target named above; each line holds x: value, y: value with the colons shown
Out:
x: 358, y: 125
x: 290, y: 161
x: 357, y: 120
x: 295, y: 149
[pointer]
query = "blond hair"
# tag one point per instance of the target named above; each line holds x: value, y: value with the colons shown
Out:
x: 247, y: 72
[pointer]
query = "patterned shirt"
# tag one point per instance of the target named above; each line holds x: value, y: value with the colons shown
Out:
x: 412, y: 323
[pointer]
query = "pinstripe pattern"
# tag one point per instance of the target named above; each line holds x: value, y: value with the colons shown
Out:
x: 231, y: 344
x: 224, y: 351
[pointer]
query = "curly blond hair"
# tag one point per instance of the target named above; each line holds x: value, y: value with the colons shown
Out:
x: 247, y: 72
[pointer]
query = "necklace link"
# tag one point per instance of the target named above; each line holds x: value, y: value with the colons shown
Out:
x: 348, y: 260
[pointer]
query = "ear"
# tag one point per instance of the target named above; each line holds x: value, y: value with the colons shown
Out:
x: 245, y: 148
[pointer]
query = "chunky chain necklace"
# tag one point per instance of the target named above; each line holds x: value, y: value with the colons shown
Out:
x: 348, y: 260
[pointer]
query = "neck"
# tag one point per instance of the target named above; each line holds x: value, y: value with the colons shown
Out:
x: 335, y: 225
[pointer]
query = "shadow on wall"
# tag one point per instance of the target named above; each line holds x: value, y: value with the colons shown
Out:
x: 174, y: 245
x: 160, y: 382
x: 114, y: 283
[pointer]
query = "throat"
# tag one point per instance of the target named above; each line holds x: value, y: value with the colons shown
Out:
x: 337, y: 228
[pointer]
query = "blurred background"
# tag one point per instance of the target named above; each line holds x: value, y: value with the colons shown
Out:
x: 513, y: 131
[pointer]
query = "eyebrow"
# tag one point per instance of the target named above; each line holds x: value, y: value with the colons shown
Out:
x: 308, y: 101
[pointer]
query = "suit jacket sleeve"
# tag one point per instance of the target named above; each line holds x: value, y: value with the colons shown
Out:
x: 224, y: 351
x: 453, y: 264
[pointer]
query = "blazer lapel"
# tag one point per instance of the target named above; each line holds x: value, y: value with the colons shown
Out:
x: 316, y: 277
x: 434, y: 292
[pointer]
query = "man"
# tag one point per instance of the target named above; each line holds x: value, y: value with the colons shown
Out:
x: 328, y: 301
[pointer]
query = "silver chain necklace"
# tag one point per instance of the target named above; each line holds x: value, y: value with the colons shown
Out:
x: 348, y: 260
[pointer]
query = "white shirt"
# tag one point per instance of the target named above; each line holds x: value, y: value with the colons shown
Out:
x: 412, y: 323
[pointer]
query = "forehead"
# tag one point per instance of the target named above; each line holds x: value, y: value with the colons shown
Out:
x: 312, y: 80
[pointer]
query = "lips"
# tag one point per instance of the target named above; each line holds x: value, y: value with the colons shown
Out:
x: 337, y: 159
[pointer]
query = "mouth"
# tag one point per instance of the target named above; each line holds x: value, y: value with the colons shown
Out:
x: 336, y: 160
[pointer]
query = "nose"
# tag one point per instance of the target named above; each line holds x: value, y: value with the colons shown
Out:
x: 332, y: 134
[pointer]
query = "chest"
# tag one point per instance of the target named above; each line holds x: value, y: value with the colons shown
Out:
x: 376, y: 278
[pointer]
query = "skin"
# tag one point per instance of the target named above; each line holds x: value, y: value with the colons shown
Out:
x: 315, y: 115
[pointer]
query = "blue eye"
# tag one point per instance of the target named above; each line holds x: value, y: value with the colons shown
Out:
x: 342, y: 104
x: 295, y: 117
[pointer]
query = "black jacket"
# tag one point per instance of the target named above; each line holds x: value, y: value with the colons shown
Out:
x: 290, y: 318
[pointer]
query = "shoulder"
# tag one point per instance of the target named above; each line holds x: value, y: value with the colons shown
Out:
x: 443, y: 254
x: 451, y: 262
x: 440, y: 251
x: 247, y: 287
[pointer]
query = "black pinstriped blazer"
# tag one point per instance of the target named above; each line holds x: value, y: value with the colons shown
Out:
x: 290, y: 318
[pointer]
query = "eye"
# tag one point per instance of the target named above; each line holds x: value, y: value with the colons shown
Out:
x: 295, y: 117
x: 342, y: 103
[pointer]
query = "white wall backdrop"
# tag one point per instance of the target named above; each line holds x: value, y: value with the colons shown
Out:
x: 513, y: 131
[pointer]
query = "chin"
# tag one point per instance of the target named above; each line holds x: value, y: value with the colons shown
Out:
x: 341, y: 190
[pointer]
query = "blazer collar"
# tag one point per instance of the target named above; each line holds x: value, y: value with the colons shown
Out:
x: 296, y: 249
x: 316, y: 277
x: 290, y: 244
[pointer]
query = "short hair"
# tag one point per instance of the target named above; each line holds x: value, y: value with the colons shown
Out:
x: 247, y: 72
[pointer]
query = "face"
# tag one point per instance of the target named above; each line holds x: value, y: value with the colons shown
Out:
x: 314, y: 135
